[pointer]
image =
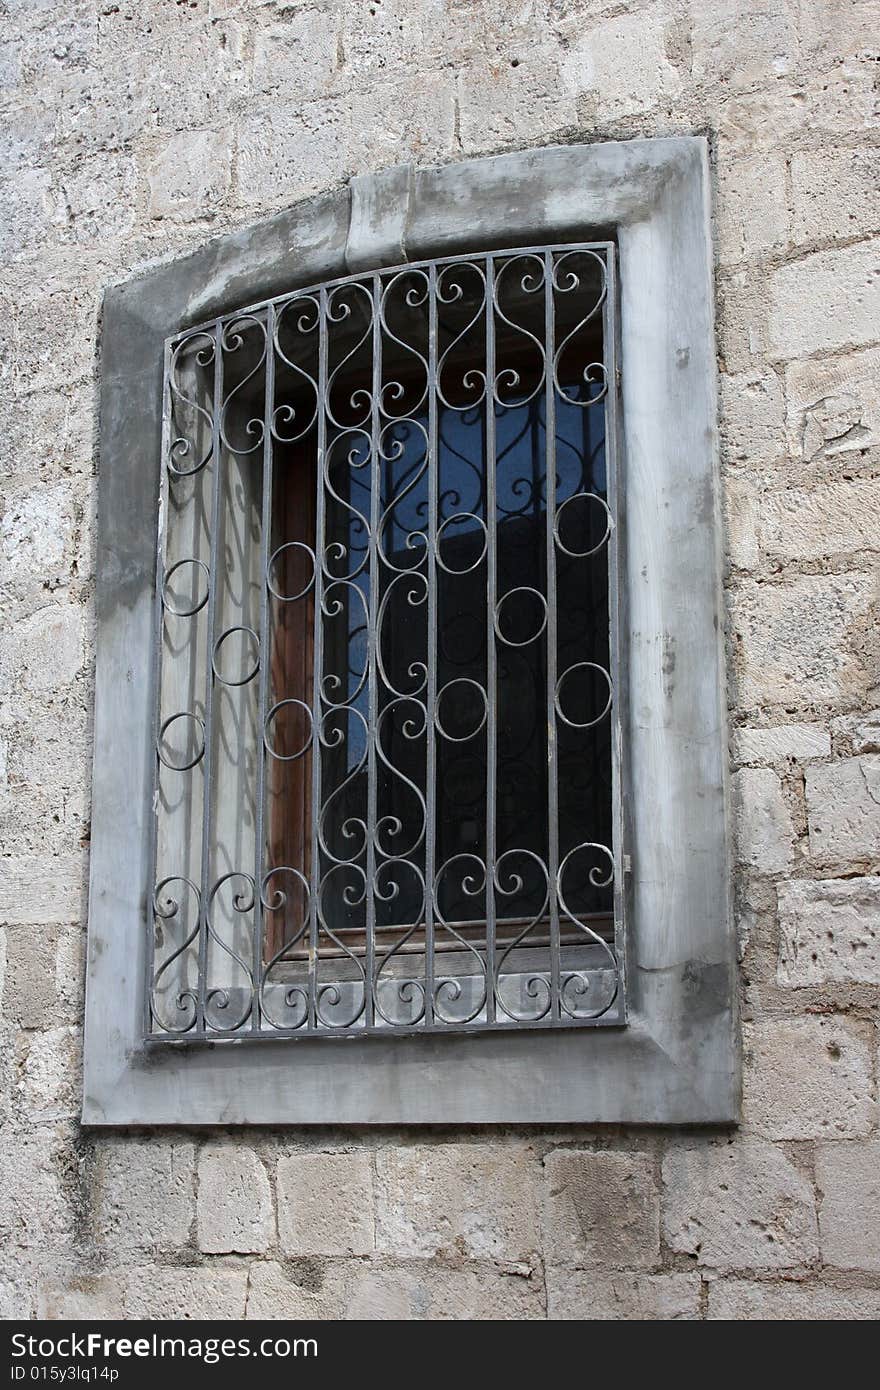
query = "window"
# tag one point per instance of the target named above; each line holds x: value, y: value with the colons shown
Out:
x: 398, y: 487
x: 425, y: 700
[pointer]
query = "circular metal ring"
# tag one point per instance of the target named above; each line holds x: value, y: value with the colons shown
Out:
x: 287, y: 757
x: 172, y: 719
x: 185, y: 612
x: 557, y: 697
x: 463, y: 738
x: 219, y: 643
x: 532, y: 593
x: 290, y: 598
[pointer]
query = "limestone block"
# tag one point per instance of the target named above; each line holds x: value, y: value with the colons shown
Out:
x: 234, y: 1213
x: 191, y: 175
x: 143, y: 1194
x: 299, y: 58
x: 763, y: 825
x: 835, y: 193
x: 576, y: 1295
x: 50, y: 1074
x: 472, y: 1200
x: 84, y: 1298
x: 807, y: 1078
x: 829, y: 932
x: 439, y: 1294
x: 36, y: 531
x: 325, y: 1204
x: 833, y: 406
x: 848, y: 1180
x: 601, y: 1209
x: 780, y: 743
x: 827, y: 301
x: 741, y: 45
x: 38, y: 890
x: 171, y: 1292
x: 843, y: 808
x: 751, y: 212
x: 834, y: 520
x: 752, y: 417
x: 43, y: 651
x: 737, y: 1300
x: 741, y: 514
x: 622, y: 62
x: 500, y: 103
x: 299, y: 1289
x: 804, y: 642
x: 741, y: 1205
x: 31, y: 992
x: 862, y: 730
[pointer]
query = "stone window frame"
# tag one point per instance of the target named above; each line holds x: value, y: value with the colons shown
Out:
x: 677, y: 1059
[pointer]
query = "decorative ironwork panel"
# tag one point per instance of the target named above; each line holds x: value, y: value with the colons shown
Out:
x: 385, y: 795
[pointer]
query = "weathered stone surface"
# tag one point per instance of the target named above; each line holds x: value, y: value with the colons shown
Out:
x: 438, y: 1294
x: 234, y: 1214
x: 829, y: 931
x: 501, y: 104
x: 576, y: 1295
x: 862, y: 731
x: 833, y: 406
x: 37, y: 890
x: 299, y: 56
x: 143, y: 1195
x: 807, y: 1078
x: 752, y: 423
x: 50, y: 1074
x: 299, y: 1289
x: 834, y: 193
x: 472, y: 1200
x: 739, y: 45
x: 738, y: 1300
x: 36, y: 530
x: 751, y: 212
x: 30, y: 976
x: 164, y: 1292
x: 843, y: 808
x: 840, y: 519
x: 325, y: 1204
x: 803, y: 642
x: 741, y: 512
x: 778, y: 744
x: 826, y: 301
x: 739, y: 1205
x: 848, y: 1182
x: 191, y: 176
x: 623, y: 63
x: 764, y: 829
x: 601, y: 1209
x: 35, y: 1210
x: 44, y: 651
x: 86, y: 1298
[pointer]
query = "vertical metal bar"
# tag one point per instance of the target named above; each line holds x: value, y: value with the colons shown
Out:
x: 613, y: 481
x: 551, y: 637
x: 156, y: 679
x: 265, y: 662
x: 432, y: 653
x: 317, y: 662
x: 491, y: 653
x: 207, y: 761
x: 373, y: 672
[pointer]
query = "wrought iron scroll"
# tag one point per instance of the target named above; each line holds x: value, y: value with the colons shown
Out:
x: 386, y: 788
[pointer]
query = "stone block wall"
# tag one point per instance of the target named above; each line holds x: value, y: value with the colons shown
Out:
x: 137, y: 129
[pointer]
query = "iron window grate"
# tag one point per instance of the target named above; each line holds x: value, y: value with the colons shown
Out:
x: 385, y: 781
